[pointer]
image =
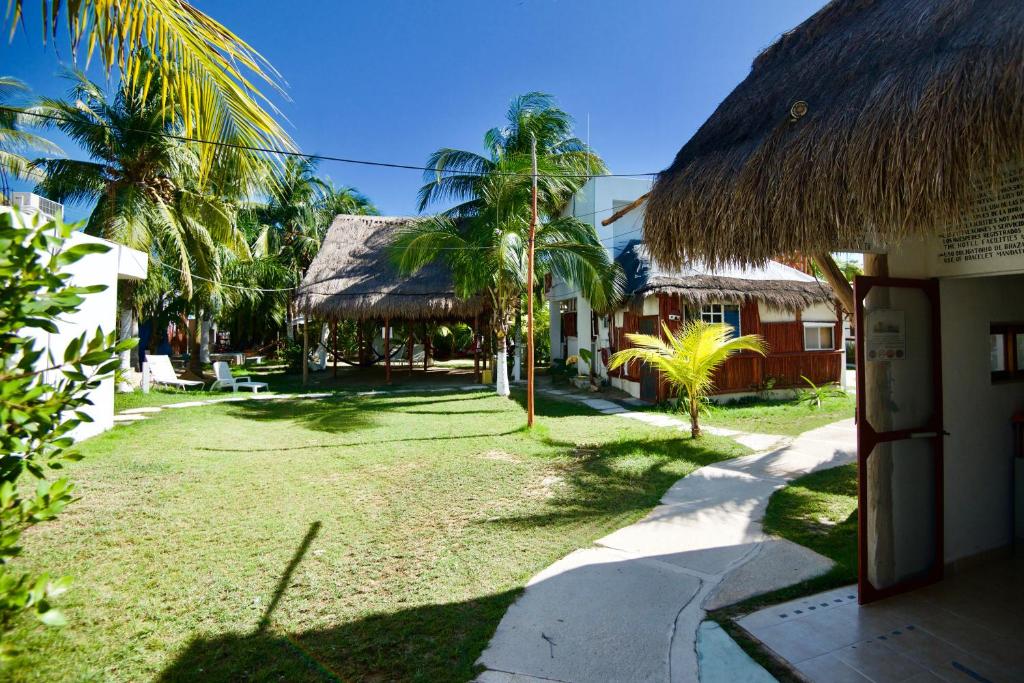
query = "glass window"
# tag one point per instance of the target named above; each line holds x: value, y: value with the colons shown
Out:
x: 997, y: 352
x: 819, y: 337
x: 728, y: 314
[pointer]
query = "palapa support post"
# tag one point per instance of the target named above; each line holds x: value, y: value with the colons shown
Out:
x: 410, y: 345
x: 476, y: 348
x: 305, y: 349
x: 334, y: 334
x: 529, y: 288
x: 360, y: 350
x: 426, y: 347
x: 387, y: 351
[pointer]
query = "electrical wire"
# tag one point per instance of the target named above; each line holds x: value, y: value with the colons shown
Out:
x: 322, y: 157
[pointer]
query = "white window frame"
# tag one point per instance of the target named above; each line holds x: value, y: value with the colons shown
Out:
x: 819, y: 326
x: 715, y: 314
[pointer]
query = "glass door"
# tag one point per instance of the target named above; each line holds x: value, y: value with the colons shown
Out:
x: 899, y: 435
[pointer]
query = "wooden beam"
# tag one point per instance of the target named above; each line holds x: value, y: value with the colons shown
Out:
x: 840, y: 285
x: 387, y: 351
x: 334, y: 334
x: 305, y: 349
x: 626, y: 209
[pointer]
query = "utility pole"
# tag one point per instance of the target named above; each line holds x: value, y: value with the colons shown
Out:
x: 529, y: 289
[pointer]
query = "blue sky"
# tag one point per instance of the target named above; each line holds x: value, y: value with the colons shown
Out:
x: 394, y: 80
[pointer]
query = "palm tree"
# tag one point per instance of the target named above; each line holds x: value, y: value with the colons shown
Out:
x: 211, y: 75
x: 147, y: 187
x: 290, y: 225
x: 15, y: 142
x: 688, y: 359
x: 483, y: 237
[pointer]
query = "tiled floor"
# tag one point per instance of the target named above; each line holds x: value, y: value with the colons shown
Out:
x: 968, y: 628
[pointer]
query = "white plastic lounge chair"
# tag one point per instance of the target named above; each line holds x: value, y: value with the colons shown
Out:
x: 162, y: 372
x: 225, y: 379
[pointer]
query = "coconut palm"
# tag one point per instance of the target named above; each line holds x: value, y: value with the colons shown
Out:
x: 15, y: 142
x: 484, y: 242
x: 688, y: 359
x: 147, y: 188
x: 210, y: 74
x: 564, y: 161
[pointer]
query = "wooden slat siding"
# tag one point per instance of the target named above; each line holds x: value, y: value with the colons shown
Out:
x: 783, y: 337
x: 818, y: 366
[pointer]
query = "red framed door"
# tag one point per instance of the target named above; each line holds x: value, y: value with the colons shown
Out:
x: 899, y: 435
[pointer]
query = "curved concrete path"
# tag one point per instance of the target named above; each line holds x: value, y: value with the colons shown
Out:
x: 629, y: 608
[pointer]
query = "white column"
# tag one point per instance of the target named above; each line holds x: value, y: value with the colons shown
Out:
x: 556, y: 329
x: 583, y: 337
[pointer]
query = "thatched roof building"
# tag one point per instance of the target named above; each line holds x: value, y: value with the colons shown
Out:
x: 353, y: 278
x: 873, y: 118
x: 774, y: 284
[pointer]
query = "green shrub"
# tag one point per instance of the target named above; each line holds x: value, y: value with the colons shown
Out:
x: 40, y: 401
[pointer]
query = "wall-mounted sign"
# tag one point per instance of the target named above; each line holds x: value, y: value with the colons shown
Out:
x: 990, y: 239
x: 885, y: 337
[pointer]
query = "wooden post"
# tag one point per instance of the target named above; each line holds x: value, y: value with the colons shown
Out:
x: 305, y: 349
x: 529, y: 289
x: 426, y: 347
x: 840, y: 286
x: 360, y: 351
x: 410, y: 345
x: 476, y: 348
x: 387, y: 351
x: 334, y: 334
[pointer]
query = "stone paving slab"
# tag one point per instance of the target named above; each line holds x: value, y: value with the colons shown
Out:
x: 134, y: 411
x: 778, y: 563
x: 577, y: 620
x: 723, y: 661
x: 128, y: 418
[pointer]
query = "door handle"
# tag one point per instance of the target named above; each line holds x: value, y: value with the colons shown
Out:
x: 928, y: 435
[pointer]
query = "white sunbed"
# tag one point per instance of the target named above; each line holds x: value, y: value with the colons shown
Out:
x: 162, y: 372
x: 225, y: 379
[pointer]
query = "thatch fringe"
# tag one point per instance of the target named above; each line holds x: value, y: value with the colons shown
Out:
x: 353, y: 278
x: 908, y: 107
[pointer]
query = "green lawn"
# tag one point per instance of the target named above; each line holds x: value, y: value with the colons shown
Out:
x: 819, y: 511
x: 790, y: 417
x: 371, y: 538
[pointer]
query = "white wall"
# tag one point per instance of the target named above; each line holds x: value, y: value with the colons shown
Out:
x: 978, y: 465
x: 98, y: 310
x: 774, y: 315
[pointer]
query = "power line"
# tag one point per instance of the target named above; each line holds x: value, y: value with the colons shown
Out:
x: 320, y: 157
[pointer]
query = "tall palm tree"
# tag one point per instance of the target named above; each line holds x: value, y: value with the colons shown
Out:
x: 688, y: 359
x: 146, y: 186
x: 290, y: 225
x: 15, y: 142
x: 483, y: 237
x: 210, y: 74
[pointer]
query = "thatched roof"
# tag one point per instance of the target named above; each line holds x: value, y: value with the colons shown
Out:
x: 775, y: 284
x: 882, y: 116
x: 352, y: 277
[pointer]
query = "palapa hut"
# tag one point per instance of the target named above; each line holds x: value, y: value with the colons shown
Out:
x: 353, y: 278
x: 793, y: 311
x: 896, y: 128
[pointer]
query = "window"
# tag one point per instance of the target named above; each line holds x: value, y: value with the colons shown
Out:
x: 819, y: 336
x: 1006, y: 351
x: 728, y: 314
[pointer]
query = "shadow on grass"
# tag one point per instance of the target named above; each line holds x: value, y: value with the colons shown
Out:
x: 428, y: 643
x: 620, y: 477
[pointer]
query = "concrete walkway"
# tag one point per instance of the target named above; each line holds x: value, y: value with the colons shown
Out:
x: 629, y: 608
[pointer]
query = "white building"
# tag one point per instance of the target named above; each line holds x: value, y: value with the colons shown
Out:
x: 99, y: 310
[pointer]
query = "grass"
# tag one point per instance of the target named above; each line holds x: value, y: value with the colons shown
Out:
x: 789, y: 417
x: 819, y: 511
x: 349, y: 538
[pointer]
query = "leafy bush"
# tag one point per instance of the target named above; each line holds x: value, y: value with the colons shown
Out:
x: 40, y: 400
x: 291, y: 353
